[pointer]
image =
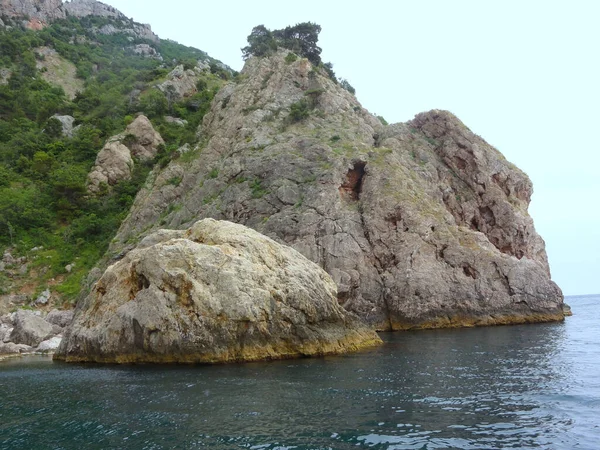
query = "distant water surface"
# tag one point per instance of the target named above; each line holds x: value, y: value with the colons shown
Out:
x: 535, y: 386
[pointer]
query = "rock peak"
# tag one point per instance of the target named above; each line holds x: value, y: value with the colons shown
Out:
x: 38, y: 13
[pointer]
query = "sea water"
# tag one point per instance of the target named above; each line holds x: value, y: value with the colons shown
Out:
x: 530, y: 386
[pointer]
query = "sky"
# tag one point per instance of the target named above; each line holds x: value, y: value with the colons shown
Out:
x: 524, y: 75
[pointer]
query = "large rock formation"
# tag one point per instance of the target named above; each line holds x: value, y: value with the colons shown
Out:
x: 44, y: 10
x: 217, y: 292
x: 115, y: 162
x: 26, y: 331
x: 40, y: 12
x: 180, y: 82
x: 421, y: 224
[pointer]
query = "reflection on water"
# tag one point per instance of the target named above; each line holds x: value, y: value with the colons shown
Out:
x: 505, y: 387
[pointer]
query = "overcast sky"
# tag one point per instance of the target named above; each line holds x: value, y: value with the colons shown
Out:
x: 524, y: 75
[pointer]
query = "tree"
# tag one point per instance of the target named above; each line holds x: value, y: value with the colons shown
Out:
x: 153, y: 103
x: 301, y: 39
x: 346, y: 85
x: 260, y: 43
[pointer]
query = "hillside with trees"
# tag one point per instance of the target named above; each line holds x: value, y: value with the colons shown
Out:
x: 44, y: 204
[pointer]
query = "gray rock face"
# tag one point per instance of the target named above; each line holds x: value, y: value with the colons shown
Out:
x: 5, y: 76
x: 59, y: 318
x: 421, y: 224
x: 11, y: 348
x: 147, y: 51
x: 30, y: 329
x: 84, y: 8
x: 115, y: 162
x: 67, y: 124
x: 49, y: 345
x: 43, y: 298
x: 180, y: 82
x: 44, y: 10
x: 217, y: 292
x: 10, y: 301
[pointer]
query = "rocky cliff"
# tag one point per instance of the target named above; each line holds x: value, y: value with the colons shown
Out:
x: 420, y: 224
x: 37, y: 13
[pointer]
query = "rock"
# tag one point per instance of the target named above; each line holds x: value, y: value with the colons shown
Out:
x: 50, y: 345
x: 42, y: 10
x: 23, y: 269
x: 176, y: 120
x: 60, y: 318
x: 185, y: 148
x: 2, y: 266
x: 180, y: 82
x: 43, y: 298
x: 10, y: 301
x: 147, y: 139
x: 146, y: 51
x: 567, y: 311
x: 69, y: 268
x: 30, y: 329
x: 5, y: 75
x: 67, y: 124
x: 11, y: 348
x: 7, y: 258
x: 58, y: 71
x: 216, y: 292
x: 115, y: 162
x: 420, y: 224
x: 6, y: 319
x: 204, y: 66
x: 85, y: 8
x: 5, y: 331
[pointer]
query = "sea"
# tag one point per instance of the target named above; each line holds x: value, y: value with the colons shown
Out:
x: 518, y: 387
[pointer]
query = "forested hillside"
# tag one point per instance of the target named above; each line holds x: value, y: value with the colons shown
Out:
x: 103, y: 81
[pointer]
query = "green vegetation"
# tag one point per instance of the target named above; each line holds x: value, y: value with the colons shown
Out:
x: 43, y: 197
x: 257, y: 189
x: 300, y: 39
x: 346, y: 85
x: 299, y: 111
x: 290, y: 58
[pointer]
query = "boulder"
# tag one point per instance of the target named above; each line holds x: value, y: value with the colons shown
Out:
x: 147, y: 140
x: 67, y: 124
x: 5, y: 331
x: 10, y: 301
x: 115, y: 161
x: 11, y: 348
x: 60, y: 318
x: 43, y: 298
x: 113, y: 164
x: 176, y: 121
x: 216, y: 292
x: 49, y: 345
x: 30, y: 329
x: 181, y: 83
